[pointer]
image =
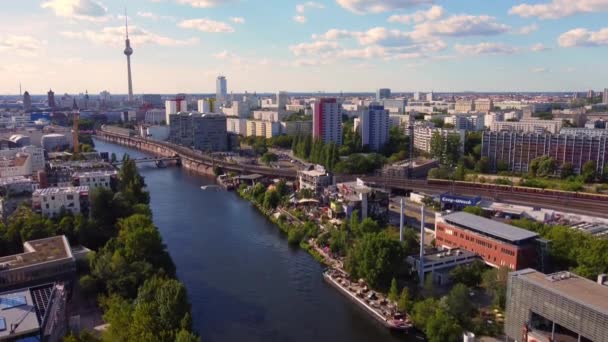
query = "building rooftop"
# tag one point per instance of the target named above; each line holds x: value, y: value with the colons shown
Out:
x: 570, y: 286
x: 489, y: 227
x: 97, y: 173
x: 14, y: 180
x: 69, y: 189
x: 38, y: 252
x: 447, y: 255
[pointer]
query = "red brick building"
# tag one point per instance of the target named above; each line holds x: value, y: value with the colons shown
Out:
x: 498, y: 244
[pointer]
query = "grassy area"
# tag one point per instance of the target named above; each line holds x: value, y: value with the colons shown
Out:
x: 570, y: 184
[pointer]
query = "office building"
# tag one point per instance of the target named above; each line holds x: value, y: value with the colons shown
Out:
x: 327, y: 121
x: 498, y: 244
x: 266, y: 129
x: 555, y: 307
x: 282, y: 101
x: 55, y: 142
x: 153, y: 100
x: 205, y: 132
x: 50, y: 98
x: 438, y: 264
x: 51, y: 202
x: 463, y: 106
x: 605, y: 97
x: 27, y: 101
x: 374, y: 126
x: 221, y: 90
x: 517, y: 150
x: 528, y: 126
x: 383, y: 93
x: 424, y: 134
x: 48, y: 259
x: 174, y: 106
x: 34, y: 314
x: 155, y: 116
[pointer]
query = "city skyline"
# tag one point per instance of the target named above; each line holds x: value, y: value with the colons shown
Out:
x: 332, y: 46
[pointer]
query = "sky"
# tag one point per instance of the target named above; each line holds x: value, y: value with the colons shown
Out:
x: 322, y: 45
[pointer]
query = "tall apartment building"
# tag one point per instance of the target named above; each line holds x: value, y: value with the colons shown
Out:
x: 528, y: 126
x: 221, y: 89
x: 52, y: 201
x: 174, y: 106
x: 475, y: 122
x: 205, y: 132
x: 374, y: 126
x: 484, y: 105
x: 296, y: 127
x: 327, y: 121
x: 491, y: 118
x: 555, y: 307
x: 424, y: 134
x: 236, y: 125
x: 593, y: 132
x: 237, y: 109
x: 498, y: 244
x: 394, y: 106
x: 605, y: 97
x: 463, y: 106
x: 517, y: 150
x: 383, y: 93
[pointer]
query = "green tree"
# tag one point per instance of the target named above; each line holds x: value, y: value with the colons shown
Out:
x: 470, y: 275
x: 567, y: 170
x: 271, y: 199
x: 423, y: 310
x: 460, y: 172
x: 404, y: 304
x: 459, y: 303
x: 376, y: 258
x: 588, y: 171
x: 393, y: 293
x: 442, y: 327
x: 483, y: 165
x: 494, y: 281
x: 269, y: 157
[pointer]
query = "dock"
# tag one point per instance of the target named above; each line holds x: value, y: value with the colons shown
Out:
x: 367, y: 300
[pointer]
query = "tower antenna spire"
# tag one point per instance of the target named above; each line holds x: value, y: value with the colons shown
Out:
x: 126, y: 23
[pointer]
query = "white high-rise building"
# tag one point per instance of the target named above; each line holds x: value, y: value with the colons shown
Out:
x: 221, y: 89
x: 207, y: 106
x: 374, y: 126
x: 417, y: 96
x: 174, y: 106
x: 430, y: 97
x: 605, y: 96
x: 327, y: 121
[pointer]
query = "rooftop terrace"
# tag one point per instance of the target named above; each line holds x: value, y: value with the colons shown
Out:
x: 37, y: 252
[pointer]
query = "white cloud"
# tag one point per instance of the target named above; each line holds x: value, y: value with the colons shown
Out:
x: 313, y: 48
x: 77, y: 9
x: 376, y: 35
x: 584, y: 37
x: 299, y: 19
x: 203, y: 3
x: 460, y: 26
x: 432, y: 13
x: 540, y: 70
x: 153, y: 16
x: 206, y: 25
x: 485, y: 48
x: 26, y: 46
x: 527, y: 29
x: 237, y: 20
x: 378, y: 6
x: 301, y: 8
x: 334, y: 34
x: 539, y: 47
x: 559, y: 8
x: 114, y: 36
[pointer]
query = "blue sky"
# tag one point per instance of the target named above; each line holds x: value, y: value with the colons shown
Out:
x: 322, y: 45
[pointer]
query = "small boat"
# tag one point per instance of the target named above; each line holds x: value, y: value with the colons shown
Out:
x: 211, y: 187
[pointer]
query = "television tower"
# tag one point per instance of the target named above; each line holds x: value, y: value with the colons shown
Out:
x: 128, y: 52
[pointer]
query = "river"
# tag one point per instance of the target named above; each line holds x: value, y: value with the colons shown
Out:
x: 244, y: 281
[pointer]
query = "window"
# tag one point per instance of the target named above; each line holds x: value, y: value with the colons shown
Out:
x: 70, y: 197
x: 2, y: 324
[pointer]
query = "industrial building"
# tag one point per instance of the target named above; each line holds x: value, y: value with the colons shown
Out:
x: 556, y: 307
x: 498, y: 244
x: 48, y: 259
x: 205, y: 132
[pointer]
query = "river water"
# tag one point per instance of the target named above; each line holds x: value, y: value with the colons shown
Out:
x: 244, y: 281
